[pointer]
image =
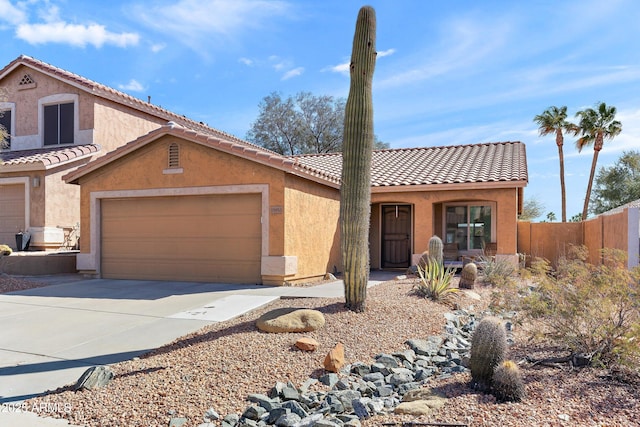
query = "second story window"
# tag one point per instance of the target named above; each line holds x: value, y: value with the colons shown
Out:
x: 58, y: 124
x: 5, y: 123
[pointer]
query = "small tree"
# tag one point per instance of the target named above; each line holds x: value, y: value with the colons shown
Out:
x: 617, y: 184
x: 304, y: 124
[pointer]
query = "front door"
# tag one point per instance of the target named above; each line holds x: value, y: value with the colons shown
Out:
x: 396, y: 236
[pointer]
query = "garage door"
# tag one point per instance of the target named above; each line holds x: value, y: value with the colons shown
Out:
x: 11, y: 213
x: 215, y: 238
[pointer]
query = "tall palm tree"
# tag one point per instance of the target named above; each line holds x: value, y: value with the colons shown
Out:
x: 553, y: 120
x: 595, y: 126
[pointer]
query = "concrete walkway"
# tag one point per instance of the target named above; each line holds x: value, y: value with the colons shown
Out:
x: 51, y: 335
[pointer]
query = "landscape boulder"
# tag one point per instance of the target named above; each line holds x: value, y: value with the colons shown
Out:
x: 94, y: 377
x: 307, y: 344
x: 283, y: 320
x: 335, y: 358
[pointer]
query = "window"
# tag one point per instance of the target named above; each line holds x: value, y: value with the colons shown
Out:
x: 5, y: 123
x: 58, y: 124
x: 470, y: 226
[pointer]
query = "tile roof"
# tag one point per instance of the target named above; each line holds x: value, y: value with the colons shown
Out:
x: 117, y: 96
x: 475, y: 163
x: 47, y: 156
x: 235, y: 147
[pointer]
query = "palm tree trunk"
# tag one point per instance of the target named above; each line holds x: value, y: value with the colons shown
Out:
x: 562, y: 187
x: 585, y: 209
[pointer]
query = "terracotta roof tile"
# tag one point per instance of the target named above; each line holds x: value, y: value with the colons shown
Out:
x: 47, y: 156
x: 477, y: 163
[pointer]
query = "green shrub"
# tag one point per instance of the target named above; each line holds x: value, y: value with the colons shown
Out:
x: 434, y: 281
x: 488, y: 350
x: 587, y: 309
x: 507, y: 383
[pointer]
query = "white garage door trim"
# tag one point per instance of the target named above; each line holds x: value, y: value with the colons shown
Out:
x: 24, y: 180
x: 91, y: 261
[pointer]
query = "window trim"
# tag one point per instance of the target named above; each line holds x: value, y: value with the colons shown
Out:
x: 10, y: 106
x: 61, y: 98
x: 468, y: 205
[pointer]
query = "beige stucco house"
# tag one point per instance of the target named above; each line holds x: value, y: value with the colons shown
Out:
x: 58, y: 121
x: 159, y: 196
x: 209, y: 209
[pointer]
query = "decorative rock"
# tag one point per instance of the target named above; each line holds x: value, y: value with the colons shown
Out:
x: 329, y: 379
x: 417, y: 407
x: 254, y: 412
x: 230, y: 420
x: 307, y: 344
x: 177, y: 422
x: 211, y: 415
x: 289, y: 392
x: 360, y: 409
x: 335, y: 358
x: 288, y: 420
x: 290, y: 320
x: 94, y: 377
x: 361, y: 390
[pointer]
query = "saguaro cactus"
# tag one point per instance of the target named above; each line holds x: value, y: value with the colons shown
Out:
x: 355, y: 193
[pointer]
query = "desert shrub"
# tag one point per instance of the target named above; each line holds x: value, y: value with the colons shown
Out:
x: 496, y: 271
x: 435, y: 281
x: 507, y: 383
x: 5, y: 250
x: 587, y: 309
x: 488, y: 350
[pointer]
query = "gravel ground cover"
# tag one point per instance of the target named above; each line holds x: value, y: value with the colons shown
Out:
x: 218, y: 366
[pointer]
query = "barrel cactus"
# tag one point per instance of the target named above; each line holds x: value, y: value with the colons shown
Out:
x: 468, y: 276
x: 436, y: 248
x: 355, y: 193
x: 507, y: 383
x: 488, y: 351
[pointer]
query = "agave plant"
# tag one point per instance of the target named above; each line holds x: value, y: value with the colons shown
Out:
x: 435, y: 281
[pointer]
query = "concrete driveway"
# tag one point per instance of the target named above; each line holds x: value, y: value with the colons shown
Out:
x: 51, y: 335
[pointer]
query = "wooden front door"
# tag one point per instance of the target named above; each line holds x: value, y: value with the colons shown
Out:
x: 396, y: 236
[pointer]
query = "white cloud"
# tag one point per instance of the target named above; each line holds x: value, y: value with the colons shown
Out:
x: 246, y: 61
x: 340, y: 68
x: 74, y: 34
x: 133, y: 86
x: 199, y: 24
x: 13, y: 15
x: 464, y: 43
x: 386, y: 52
x: 293, y: 73
x: 157, y: 47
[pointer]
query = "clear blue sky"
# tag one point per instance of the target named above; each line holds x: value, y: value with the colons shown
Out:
x: 455, y: 72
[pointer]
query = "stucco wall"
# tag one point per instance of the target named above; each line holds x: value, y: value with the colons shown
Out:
x: 201, y: 166
x: 26, y: 128
x: 427, y: 215
x: 312, y: 232
x: 116, y: 125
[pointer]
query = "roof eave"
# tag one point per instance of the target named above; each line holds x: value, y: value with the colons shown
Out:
x: 449, y: 186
